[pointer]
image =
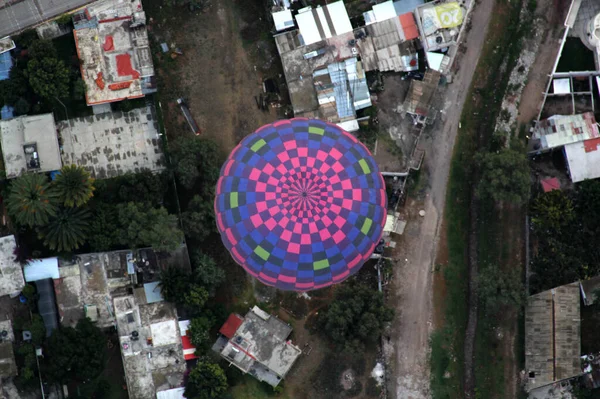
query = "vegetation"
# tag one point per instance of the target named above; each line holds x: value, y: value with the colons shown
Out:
x: 199, y: 218
x: 31, y: 201
x: 206, y: 381
x: 48, y: 77
x: 499, y: 289
x: 67, y: 230
x: 75, y: 353
x: 357, y: 315
x: 199, y: 332
x: 139, y: 226
x: 197, y: 163
x: 565, y: 225
x: 504, y: 176
x: 74, y: 185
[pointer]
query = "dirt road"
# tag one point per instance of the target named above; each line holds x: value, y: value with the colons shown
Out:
x: 414, y: 276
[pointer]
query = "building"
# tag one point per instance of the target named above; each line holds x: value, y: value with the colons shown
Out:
x: 112, y: 44
x: 189, y: 350
x: 578, y: 136
x: 86, y: 284
x: 420, y: 96
x: 121, y: 289
x: 552, y: 336
x: 43, y: 273
x: 12, y: 281
x: 111, y: 144
x: 6, y: 44
x: 320, y: 23
x: 29, y: 144
x: 150, y: 346
x: 258, y: 344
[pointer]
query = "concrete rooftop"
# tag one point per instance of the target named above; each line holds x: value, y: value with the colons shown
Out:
x: 112, y: 44
x: 111, y: 144
x: 38, y: 134
x: 552, y: 336
x: 11, y: 281
x: 260, y: 347
x: 150, y: 346
x: 91, y: 280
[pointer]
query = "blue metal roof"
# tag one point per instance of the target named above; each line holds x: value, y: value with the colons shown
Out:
x: 404, y: 6
x: 6, y: 64
x: 153, y: 292
x: 7, y: 112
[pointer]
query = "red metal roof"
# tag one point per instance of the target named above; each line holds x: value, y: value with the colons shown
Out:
x: 409, y: 26
x: 550, y: 184
x: 591, y: 145
x: 231, y: 325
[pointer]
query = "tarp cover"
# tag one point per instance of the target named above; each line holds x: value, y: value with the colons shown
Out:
x: 300, y: 204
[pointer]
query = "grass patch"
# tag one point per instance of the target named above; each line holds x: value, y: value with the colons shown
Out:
x: 499, y: 55
x: 247, y: 387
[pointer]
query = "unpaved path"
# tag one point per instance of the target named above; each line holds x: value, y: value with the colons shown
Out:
x: 414, y: 276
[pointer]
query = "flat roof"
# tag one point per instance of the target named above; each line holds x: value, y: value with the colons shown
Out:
x: 112, y: 43
x: 283, y: 20
x: 6, y: 44
x: 111, y: 144
x: 6, y: 63
x: 92, y: 279
x: 262, y: 338
x: 24, y: 136
x: 552, y: 336
x: 12, y: 280
x: 41, y: 269
x: 583, y: 159
x: 150, y: 346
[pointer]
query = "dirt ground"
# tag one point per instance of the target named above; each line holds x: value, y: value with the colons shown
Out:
x: 219, y: 74
x: 551, y: 28
x: 413, y: 272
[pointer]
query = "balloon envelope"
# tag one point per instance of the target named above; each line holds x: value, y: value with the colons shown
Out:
x: 300, y: 204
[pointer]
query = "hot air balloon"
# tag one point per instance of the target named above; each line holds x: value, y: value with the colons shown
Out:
x: 300, y: 204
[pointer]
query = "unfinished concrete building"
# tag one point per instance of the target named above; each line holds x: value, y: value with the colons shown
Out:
x: 111, y: 144
x: 552, y: 336
x: 258, y: 344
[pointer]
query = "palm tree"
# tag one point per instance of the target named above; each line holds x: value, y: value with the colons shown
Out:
x: 67, y: 231
x: 31, y: 200
x: 74, y: 185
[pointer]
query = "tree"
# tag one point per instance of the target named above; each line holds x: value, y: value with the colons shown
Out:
x: 199, y: 218
x: 133, y: 187
x: 206, y: 272
x: 498, y: 288
x: 552, y: 211
x: 21, y: 106
x: 37, y: 329
x: 206, y: 381
x: 173, y: 282
x: 504, y: 176
x: 153, y: 227
x: 199, y: 331
x: 75, y: 353
x: 356, y: 315
x: 103, y: 227
x: 195, y: 297
x: 67, y: 230
x: 49, y: 78
x: 79, y: 89
x: 40, y: 49
x: 31, y: 200
x: 74, y: 185
x: 196, y: 160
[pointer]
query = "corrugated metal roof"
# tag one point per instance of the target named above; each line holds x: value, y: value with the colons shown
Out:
x: 41, y: 269
x: 47, y: 304
x: 560, y: 130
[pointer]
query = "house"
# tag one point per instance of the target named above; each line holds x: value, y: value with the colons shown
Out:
x: 189, y: 350
x: 111, y: 144
x: 29, y: 144
x: 552, y: 336
x: 121, y: 289
x: 112, y: 43
x: 258, y: 344
x: 43, y: 273
x: 420, y: 96
x: 579, y: 138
